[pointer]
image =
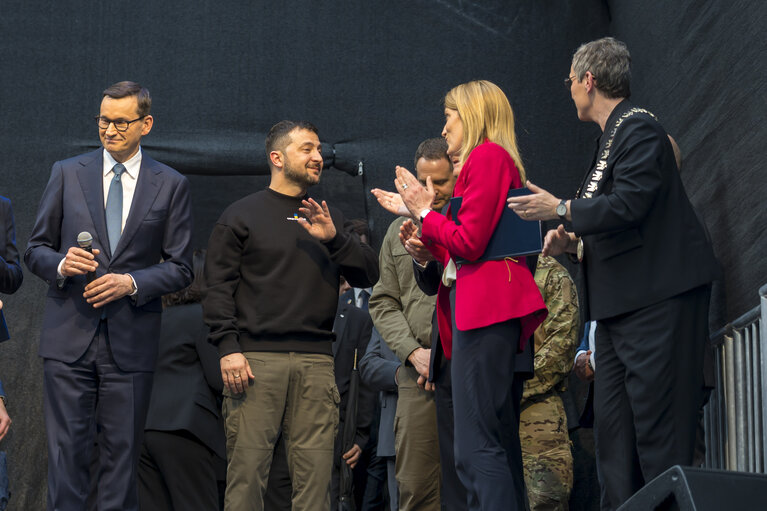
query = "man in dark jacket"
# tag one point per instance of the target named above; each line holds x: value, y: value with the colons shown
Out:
x: 183, y: 455
x: 270, y: 299
x: 634, y: 230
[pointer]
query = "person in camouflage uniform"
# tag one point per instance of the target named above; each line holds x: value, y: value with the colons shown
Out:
x: 546, y: 454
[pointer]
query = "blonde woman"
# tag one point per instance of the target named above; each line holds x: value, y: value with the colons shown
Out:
x: 487, y: 310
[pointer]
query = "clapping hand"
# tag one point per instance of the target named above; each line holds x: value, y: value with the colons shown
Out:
x: 408, y: 236
x: 414, y: 195
x: 390, y: 201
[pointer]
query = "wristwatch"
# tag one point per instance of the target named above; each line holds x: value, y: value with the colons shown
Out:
x: 562, y: 209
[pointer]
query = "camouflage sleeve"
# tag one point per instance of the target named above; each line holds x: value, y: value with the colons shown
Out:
x: 557, y: 338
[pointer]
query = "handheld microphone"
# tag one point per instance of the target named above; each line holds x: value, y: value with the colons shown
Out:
x: 85, y: 240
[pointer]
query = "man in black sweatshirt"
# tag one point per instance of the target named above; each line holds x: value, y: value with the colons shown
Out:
x: 270, y: 300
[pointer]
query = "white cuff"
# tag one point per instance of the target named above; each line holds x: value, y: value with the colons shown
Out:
x: 60, y: 278
x: 135, y: 287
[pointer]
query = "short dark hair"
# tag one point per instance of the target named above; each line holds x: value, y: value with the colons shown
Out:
x: 279, y: 135
x: 609, y: 61
x: 124, y: 89
x: 432, y: 149
x: 192, y: 293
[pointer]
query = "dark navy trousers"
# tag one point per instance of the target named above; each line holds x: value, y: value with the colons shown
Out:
x: 93, y: 401
x: 486, y: 398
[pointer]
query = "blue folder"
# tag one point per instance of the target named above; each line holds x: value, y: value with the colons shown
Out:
x: 513, y: 237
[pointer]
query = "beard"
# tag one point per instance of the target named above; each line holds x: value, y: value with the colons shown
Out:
x: 300, y: 176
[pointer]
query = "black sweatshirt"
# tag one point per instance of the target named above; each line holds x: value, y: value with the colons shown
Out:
x: 271, y: 286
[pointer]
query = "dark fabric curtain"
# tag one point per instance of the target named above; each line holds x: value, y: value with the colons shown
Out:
x: 371, y: 76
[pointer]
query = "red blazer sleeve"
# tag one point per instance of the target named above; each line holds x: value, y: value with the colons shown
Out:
x: 487, y: 292
x: 484, y: 184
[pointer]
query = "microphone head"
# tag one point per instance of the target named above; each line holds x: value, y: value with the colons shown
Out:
x: 84, y: 239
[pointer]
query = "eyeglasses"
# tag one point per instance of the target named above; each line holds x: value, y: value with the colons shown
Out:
x: 119, y: 125
x: 570, y: 79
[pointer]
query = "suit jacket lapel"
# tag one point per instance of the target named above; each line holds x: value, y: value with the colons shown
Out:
x: 338, y: 327
x: 147, y: 188
x: 91, y: 177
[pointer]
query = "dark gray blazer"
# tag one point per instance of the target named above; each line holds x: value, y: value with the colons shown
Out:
x: 352, y: 330
x: 187, y: 380
x: 377, y: 370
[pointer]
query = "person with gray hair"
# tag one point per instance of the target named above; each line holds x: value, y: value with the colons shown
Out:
x: 633, y: 229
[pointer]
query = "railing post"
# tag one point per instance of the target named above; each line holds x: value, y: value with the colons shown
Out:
x: 758, y: 398
x: 729, y: 400
x: 735, y: 419
x: 763, y: 369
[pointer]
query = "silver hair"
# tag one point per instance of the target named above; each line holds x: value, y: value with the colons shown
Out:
x: 609, y: 61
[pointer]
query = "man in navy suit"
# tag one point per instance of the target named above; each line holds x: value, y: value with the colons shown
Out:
x: 102, y: 313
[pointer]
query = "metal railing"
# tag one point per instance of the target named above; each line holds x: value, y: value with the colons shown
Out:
x: 735, y: 418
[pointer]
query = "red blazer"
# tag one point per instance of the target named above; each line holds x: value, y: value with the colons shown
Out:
x: 486, y: 292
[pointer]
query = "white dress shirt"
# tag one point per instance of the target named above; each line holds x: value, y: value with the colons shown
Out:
x: 128, y: 180
x: 358, y: 298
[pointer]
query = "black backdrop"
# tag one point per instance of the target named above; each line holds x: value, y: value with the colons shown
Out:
x: 371, y: 76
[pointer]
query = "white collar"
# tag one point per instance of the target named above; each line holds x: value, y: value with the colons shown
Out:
x: 131, y: 165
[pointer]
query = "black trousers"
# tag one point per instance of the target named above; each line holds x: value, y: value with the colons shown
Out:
x: 374, y: 497
x: 486, y: 397
x: 647, y: 391
x: 177, y: 472
x: 452, y: 492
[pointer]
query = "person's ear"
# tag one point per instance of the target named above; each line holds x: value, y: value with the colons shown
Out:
x: 276, y: 157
